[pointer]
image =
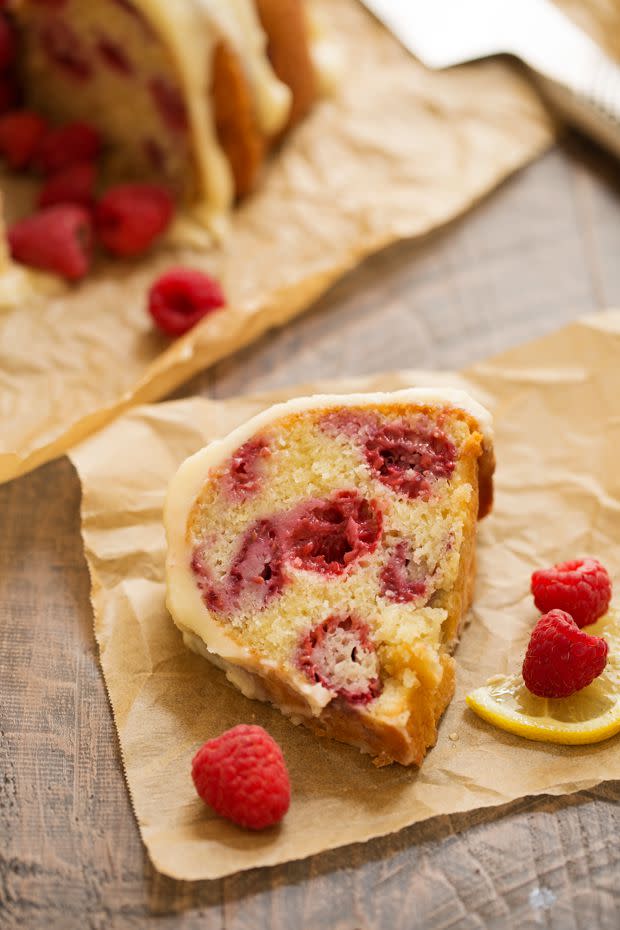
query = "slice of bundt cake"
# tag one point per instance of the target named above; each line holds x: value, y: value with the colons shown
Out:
x: 323, y: 554
x: 189, y: 92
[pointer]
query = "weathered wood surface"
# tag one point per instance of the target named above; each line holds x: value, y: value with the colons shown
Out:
x: 540, y: 252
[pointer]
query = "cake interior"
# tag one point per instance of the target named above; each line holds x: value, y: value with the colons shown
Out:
x: 101, y: 62
x: 332, y: 545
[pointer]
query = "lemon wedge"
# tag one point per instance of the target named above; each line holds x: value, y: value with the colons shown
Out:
x: 588, y: 716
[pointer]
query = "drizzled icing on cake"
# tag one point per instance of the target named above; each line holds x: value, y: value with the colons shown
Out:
x: 192, y: 30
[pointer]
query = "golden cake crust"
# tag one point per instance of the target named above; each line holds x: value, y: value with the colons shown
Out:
x: 288, y: 48
x: 235, y: 120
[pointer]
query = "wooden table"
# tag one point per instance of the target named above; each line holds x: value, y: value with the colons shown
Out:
x: 540, y: 252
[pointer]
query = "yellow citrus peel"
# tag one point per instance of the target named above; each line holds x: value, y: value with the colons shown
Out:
x: 588, y: 716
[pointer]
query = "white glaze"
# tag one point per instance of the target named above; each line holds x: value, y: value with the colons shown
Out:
x: 191, y: 30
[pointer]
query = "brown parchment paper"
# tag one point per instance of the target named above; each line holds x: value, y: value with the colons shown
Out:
x: 396, y: 152
x: 557, y: 412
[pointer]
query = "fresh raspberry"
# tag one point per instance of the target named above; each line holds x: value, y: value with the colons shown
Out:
x: 58, y: 239
x: 8, y: 44
x: 561, y: 658
x: 73, y: 184
x: 20, y: 135
x: 181, y: 297
x: 67, y: 145
x: 242, y: 775
x: 582, y: 588
x: 130, y: 217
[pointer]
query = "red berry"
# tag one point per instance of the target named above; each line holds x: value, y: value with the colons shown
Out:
x: 561, y: 658
x: 8, y: 44
x: 170, y: 104
x: 73, y: 184
x: 327, y: 535
x: 409, y: 458
x: 66, y: 145
x: 339, y: 653
x: 65, y: 49
x: 20, y: 135
x: 242, y: 775
x: 402, y: 579
x: 181, y: 297
x: 58, y: 239
x: 582, y: 588
x: 130, y: 217
x: 114, y: 56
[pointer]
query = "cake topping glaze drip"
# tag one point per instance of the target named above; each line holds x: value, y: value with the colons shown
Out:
x: 192, y: 29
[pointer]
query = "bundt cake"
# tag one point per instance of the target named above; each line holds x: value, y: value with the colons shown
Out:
x: 187, y: 92
x: 323, y: 555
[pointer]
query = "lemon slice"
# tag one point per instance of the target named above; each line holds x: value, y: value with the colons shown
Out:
x: 588, y: 716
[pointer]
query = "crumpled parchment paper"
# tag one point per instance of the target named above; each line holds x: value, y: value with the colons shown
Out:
x: 397, y: 151
x: 557, y: 416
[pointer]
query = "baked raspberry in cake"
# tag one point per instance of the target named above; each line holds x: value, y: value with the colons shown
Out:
x: 190, y: 92
x: 323, y: 554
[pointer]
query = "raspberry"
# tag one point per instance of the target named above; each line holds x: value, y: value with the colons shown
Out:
x: 256, y: 573
x: 155, y: 154
x: 63, y: 47
x: 340, y: 654
x: 73, y: 184
x: 8, y: 45
x: 242, y: 775
x: 257, y: 570
x: 214, y: 594
x: 328, y: 535
x: 402, y: 580
x: 408, y: 459
x: 20, y: 135
x: 170, y: 104
x: 130, y: 217
x: 582, y: 588
x: 114, y: 56
x: 58, y: 239
x: 561, y: 658
x: 67, y: 145
x: 245, y: 473
x: 181, y: 297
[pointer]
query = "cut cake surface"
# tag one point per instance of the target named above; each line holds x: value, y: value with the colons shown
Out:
x: 323, y: 554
